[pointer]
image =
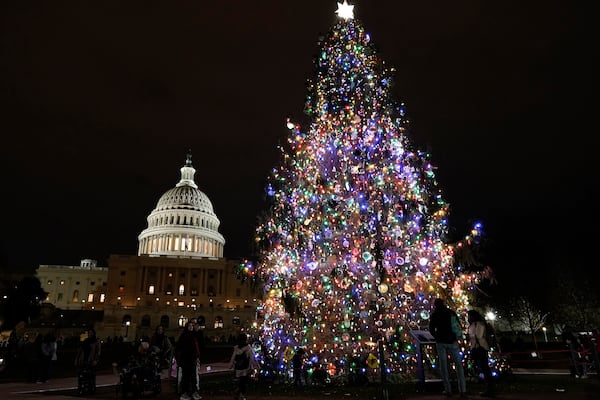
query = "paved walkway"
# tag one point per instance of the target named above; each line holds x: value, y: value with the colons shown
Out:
x: 64, y: 388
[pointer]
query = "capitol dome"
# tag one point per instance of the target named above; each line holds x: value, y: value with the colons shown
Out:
x: 183, y: 224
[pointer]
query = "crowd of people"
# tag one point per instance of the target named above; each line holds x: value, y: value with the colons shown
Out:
x: 184, y: 353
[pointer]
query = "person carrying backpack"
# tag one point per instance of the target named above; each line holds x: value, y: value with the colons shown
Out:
x: 479, y: 349
x: 243, y: 362
x: 443, y: 329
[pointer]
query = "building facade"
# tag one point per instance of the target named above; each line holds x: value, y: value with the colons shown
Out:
x: 179, y: 273
x: 71, y: 287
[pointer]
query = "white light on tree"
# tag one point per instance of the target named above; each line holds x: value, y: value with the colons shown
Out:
x: 345, y: 10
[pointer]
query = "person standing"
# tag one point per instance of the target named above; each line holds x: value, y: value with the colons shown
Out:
x: 199, y: 333
x: 187, y: 355
x: 243, y: 362
x: 31, y: 354
x: 88, y: 355
x: 162, y: 346
x: 479, y: 349
x: 48, y: 356
x: 297, y: 366
x: 440, y: 326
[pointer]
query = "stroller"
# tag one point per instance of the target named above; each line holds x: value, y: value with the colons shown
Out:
x: 86, y: 380
x: 140, y: 375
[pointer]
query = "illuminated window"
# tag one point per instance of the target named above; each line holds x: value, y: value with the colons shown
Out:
x: 75, y: 298
x: 218, y: 321
x: 102, y: 297
x: 181, y: 321
x: 181, y: 290
x: 121, y: 289
x: 62, y: 282
x: 90, y: 298
x: 48, y: 297
x: 151, y: 289
x: 49, y: 282
x: 236, y: 321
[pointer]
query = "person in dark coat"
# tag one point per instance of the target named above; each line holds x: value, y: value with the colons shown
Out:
x: 187, y: 355
x: 297, y: 366
x: 88, y: 355
x: 440, y: 326
x: 161, y: 345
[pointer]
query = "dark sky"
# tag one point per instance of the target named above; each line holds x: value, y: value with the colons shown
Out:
x: 99, y: 102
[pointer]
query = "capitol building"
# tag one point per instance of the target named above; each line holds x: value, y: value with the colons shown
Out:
x: 179, y: 273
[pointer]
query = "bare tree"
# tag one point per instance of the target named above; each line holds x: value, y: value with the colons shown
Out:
x: 523, y: 314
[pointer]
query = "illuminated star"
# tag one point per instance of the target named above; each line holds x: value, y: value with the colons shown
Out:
x: 345, y: 10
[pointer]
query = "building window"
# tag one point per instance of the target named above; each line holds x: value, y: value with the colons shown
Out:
x: 102, y: 297
x: 121, y: 289
x: 238, y: 292
x: 75, y: 298
x: 49, y: 282
x: 181, y: 321
x: 59, y: 297
x: 236, y: 321
x: 146, y: 320
x: 164, y: 321
x: 90, y: 298
x: 218, y: 322
x: 169, y: 290
x: 62, y: 282
x: 194, y: 292
x: 151, y: 289
x: 92, y: 283
x: 181, y: 290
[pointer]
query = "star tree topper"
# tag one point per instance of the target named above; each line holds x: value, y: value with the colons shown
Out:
x: 345, y: 10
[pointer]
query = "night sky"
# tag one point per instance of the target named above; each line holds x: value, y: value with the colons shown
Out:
x: 100, y: 101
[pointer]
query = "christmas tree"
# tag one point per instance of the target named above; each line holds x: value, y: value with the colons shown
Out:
x: 353, y: 249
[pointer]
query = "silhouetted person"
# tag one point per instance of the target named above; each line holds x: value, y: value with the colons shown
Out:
x: 297, y: 366
x: 162, y: 346
x: 31, y: 354
x: 440, y: 326
x: 48, y: 356
x: 88, y: 355
x: 187, y: 355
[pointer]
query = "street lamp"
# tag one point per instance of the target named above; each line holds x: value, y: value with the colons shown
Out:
x: 490, y: 316
x: 127, y: 323
x: 545, y: 335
